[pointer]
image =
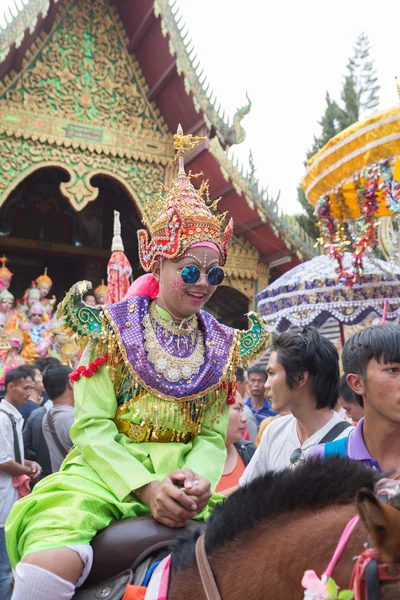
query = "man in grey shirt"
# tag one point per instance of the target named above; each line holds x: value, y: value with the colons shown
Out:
x: 58, y: 420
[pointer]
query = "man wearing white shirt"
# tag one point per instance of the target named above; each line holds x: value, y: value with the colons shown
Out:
x: 303, y: 377
x: 18, y: 386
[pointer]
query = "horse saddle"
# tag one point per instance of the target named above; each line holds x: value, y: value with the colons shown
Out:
x: 126, y: 544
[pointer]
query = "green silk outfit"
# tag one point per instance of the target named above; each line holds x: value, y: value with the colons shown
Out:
x: 119, y: 431
x: 94, y: 485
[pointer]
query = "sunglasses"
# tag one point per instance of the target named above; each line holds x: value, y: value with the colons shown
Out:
x: 36, y: 315
x: 296, y: 456
x: 191, y: 274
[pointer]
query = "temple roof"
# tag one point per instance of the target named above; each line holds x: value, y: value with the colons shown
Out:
x: 158, y: 39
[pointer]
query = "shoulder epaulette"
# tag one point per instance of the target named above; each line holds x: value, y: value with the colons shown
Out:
x: 87, y: 321
x: 253, y: 341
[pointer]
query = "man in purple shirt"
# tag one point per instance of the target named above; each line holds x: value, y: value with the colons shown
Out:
x: 371, y: 362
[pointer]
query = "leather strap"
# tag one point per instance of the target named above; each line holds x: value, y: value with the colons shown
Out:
x: 53, y: 432
x: 206, y: 575
x: 17, y: 452
x: 335, y: 431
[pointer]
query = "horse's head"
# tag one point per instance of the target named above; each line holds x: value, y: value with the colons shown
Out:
x: 382, y: 521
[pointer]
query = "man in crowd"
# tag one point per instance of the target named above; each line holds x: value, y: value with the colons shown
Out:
x: 371, y: 362
x: 303, y: 376
x: 35, y: 397
x: 349, y: 402
x: 59, y: 419
x: 251, y: 424
x: 18, y: 386
x: 257, y: 402
x: 34, y: 442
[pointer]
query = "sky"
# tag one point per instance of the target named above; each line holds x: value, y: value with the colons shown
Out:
x: 286, y: 54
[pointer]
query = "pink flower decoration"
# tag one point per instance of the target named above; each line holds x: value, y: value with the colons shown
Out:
x: 315, y: 588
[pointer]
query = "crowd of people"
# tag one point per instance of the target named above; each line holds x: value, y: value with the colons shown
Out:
x: 163, y: 417
x: 36, y: 415
x: 29, y: 328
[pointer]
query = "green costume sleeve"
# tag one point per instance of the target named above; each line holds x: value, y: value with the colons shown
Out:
x: 98, y: 440
x: 207, y: 457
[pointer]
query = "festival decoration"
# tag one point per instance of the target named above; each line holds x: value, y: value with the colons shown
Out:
x: 356, y: 177
x: 311, y: 293
x: 119, y: 268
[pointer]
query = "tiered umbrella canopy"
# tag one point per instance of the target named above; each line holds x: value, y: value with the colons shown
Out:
x: 310, y: 294
x: 356, y: 175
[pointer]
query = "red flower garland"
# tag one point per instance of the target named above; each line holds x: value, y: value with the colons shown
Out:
x: 330, y: 232
x: 367, y: 192
x: 88, y: 371
x: 368, y: 221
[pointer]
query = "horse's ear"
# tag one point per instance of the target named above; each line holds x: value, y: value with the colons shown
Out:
x: 382, y: 523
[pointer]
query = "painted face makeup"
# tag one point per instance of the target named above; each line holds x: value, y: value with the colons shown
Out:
x: 197, y: 259
x: 177, y: 287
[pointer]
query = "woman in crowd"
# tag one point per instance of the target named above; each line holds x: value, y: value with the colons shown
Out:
x: 238, y: 451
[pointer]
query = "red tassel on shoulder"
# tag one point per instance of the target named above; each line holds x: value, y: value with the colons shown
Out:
x: 88, y: 371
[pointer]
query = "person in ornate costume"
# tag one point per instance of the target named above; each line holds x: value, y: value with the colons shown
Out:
x: 44, y: 285
x: 30, y: 297
x: 36, y: 334
x: 151, y: 399
x: 100, y: 293
x: 60, y: 344
x: 10, y: 352
x: 5, y: 274
x: 7, y: 313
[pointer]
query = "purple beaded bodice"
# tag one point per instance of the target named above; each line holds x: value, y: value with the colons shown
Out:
x: 126, y: 319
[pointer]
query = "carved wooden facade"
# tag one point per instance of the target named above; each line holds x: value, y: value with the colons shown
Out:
x: 80, y: 104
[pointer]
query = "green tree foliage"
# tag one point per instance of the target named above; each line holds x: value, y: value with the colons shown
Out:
x: 359, y: 97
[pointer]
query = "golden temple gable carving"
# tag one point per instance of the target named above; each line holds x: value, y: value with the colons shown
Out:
x: 80, y: 103
x: 244, y: 269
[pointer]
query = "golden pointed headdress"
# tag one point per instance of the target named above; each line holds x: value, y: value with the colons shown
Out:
x: 44, y: 280
x: 101, y: 290
x: 183, y: 217
x: 5, y: 274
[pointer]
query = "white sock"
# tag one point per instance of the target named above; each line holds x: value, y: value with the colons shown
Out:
x: 34, y: 583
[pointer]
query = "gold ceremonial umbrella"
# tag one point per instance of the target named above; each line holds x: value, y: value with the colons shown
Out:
x: 337, y: 166
x: 356, y: 175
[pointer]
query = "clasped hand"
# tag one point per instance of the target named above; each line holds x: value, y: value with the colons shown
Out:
x: 178, y: 498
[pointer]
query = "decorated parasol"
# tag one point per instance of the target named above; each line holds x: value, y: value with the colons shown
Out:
x: 352, y: 182
x: 310, y: 294
x: 119, y: 268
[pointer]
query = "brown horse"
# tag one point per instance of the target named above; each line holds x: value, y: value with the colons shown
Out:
x: 265, y: 536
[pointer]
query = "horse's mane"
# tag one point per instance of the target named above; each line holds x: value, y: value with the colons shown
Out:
x: 313, y: 485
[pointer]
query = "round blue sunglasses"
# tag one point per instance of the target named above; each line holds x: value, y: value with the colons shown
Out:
x: 191, y: 274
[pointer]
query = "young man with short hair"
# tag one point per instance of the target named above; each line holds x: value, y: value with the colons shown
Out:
x: 349, y: 401
x: 58, y: 421
x: 18, y: 386
x: 257, y: 402
x: 371, y: 362
x: 303, y: 376
x: 35, y: 398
